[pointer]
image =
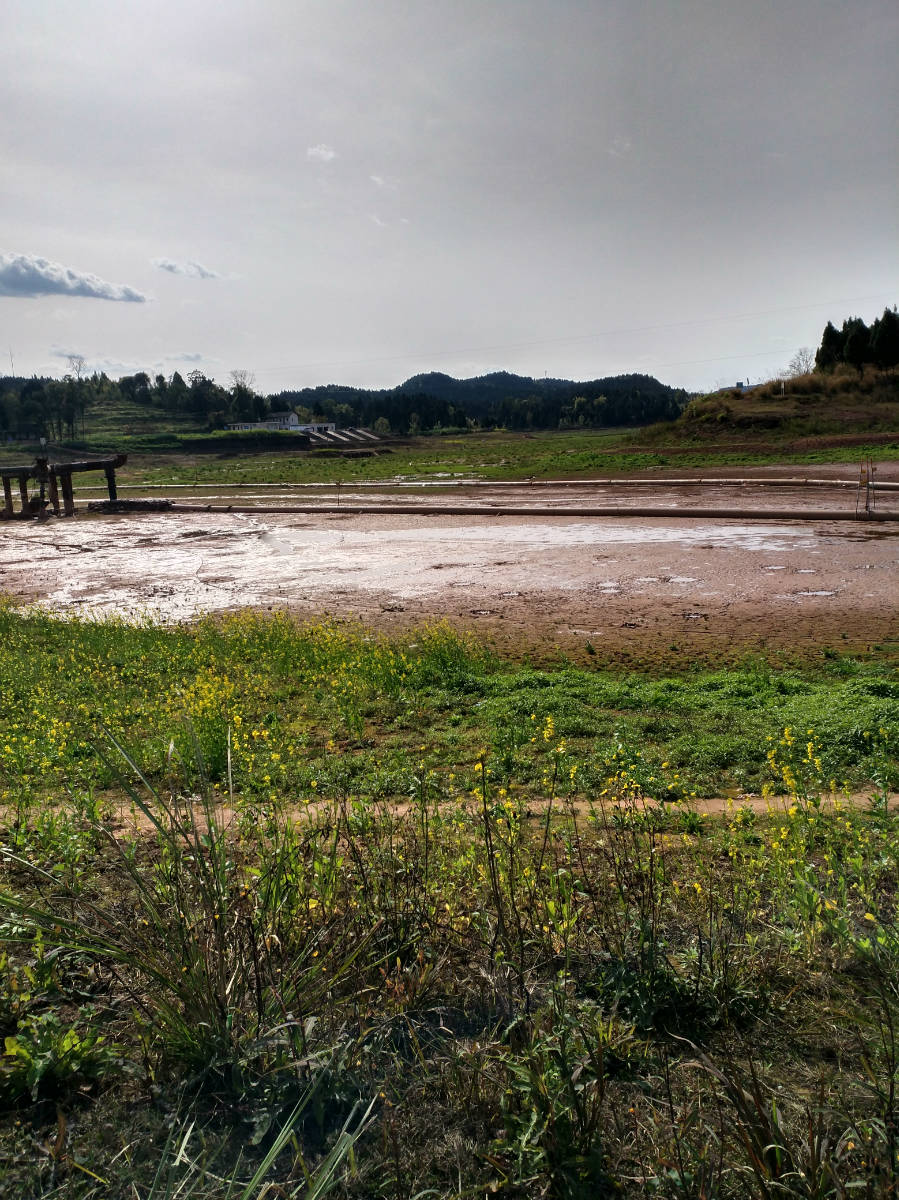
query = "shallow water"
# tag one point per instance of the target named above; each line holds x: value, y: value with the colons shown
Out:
x: 178, y: 564
x: 528, y: 575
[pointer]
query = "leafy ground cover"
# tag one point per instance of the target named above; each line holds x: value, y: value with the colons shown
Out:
x: 337, y: 698
x: 497, y: 455
x: 296, y: 908
x: 492, y: 456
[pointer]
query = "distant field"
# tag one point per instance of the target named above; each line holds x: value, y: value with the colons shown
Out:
x: 816, y: 419
x: 496, y: 455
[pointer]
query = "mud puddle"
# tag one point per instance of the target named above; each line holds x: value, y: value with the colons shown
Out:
x: 636, y: 584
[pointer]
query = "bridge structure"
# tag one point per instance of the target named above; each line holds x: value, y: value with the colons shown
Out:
x: 44, y: 484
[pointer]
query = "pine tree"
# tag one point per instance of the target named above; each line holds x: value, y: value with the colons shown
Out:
x: 830, y: 352
x: 857, y: 346
x: 885, y: 340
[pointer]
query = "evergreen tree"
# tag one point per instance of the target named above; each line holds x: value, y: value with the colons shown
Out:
x: 885, y: 340
x: 830, y: 352
x: 857, y: 344
x: 177, y: 394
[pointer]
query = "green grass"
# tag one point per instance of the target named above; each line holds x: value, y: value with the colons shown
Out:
x: 497, y: 456
x: 319, y: 686
x: 305, y: 908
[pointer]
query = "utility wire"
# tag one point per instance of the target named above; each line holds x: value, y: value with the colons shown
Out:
x: 583, y: 337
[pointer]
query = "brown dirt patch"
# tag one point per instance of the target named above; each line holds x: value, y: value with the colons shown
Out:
x: 630, y: 590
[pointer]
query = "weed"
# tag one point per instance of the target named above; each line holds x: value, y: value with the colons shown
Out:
x: 311, y: 864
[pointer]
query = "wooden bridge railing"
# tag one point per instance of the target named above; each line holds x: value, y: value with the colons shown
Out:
x: 53, y: 479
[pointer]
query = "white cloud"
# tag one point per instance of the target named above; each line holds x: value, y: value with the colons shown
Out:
x: 29, y: 275
x: 191, y: 268
x: 116, y: 366
x: 62, y: 352
x: 321, y: 153
x: 619, y: 146
x: 98, y: 363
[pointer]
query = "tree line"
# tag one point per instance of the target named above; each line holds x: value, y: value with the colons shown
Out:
x: 58, y: 409
x: 859, y: 345
x: 61, y: 409
x: 438, y: 401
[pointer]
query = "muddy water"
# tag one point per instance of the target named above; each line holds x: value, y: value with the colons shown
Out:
x: 428, y: 493
x: 526, y: 580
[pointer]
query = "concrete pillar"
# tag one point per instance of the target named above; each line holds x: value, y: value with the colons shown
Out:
x: 7, y: 497
x: 110, y: 483
x: 23, y: 492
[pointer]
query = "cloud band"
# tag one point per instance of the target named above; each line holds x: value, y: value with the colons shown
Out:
x: 28, y: 275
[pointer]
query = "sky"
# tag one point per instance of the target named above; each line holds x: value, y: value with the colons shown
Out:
x: 357, y: 191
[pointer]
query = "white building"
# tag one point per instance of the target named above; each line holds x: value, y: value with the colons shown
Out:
x: 287, y: 422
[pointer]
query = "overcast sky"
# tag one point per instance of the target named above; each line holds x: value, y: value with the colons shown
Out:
x: 355, y: 191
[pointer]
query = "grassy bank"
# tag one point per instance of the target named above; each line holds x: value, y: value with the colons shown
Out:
x: 301, y: 907
x: 499, y: 456
x: 488, y: 456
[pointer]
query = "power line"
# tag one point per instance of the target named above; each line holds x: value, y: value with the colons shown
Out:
x: 691, y: 362
x: 574, y: 338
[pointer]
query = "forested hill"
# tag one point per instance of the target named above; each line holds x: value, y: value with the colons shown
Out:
x: 81, y: 405
x: 517, y: 402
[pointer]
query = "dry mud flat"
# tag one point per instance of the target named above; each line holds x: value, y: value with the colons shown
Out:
x: 532, y: 582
